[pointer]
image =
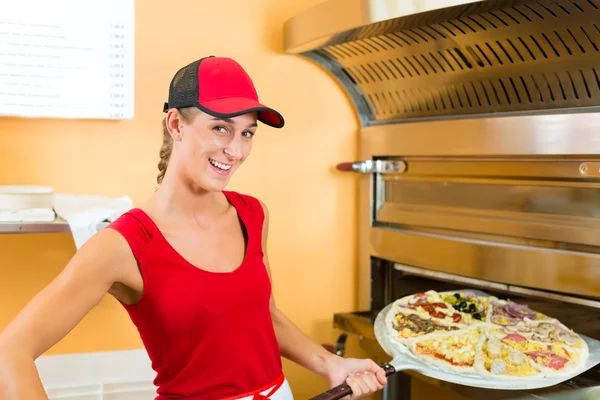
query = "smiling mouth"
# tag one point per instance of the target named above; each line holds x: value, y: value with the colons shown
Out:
x: 219, y: 165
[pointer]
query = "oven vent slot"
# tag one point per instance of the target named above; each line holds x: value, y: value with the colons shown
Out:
x: 472, y: 59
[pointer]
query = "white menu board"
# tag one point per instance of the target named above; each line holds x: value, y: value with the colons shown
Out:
x: 67, y: 59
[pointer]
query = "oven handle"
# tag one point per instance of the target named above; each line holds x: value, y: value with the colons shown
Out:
x: 373, y: 166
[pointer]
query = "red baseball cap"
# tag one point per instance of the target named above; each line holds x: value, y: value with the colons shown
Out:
x: 218, y: 86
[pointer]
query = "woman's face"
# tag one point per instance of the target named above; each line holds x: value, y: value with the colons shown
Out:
x: 211, y: 149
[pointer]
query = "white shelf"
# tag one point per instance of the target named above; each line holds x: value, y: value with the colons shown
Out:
x: 57, y: 226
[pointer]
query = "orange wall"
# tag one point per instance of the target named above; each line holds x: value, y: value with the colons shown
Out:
x: 313, y: 210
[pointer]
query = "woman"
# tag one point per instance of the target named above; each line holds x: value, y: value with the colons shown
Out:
x: 189, y: 266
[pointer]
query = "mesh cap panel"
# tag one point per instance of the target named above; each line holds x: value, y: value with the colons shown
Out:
x: 183, y: 91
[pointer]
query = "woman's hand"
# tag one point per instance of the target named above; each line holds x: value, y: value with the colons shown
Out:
x: 363, y: 376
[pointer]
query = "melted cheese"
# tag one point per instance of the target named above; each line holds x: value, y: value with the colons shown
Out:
x: 558, y: 349
x: 502, y: 320
x: 526, y: 346
x: 524, y: 369
x: 457, y: 349
x: 407, y: 333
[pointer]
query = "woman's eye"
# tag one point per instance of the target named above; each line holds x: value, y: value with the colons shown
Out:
x: 221, y: 129
x: 248, y: 134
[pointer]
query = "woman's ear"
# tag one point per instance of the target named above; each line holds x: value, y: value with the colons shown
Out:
x: 174, y: 124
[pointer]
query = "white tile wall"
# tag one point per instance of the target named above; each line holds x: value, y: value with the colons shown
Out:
x: 115, y: 375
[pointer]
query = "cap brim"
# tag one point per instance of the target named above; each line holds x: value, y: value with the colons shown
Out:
x: 233, y: 106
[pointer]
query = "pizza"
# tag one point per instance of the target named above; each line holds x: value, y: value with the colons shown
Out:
x: 462, y: 332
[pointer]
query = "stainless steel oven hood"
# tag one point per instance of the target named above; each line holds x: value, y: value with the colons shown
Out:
x: 412, y: 60
x: 326, y: 22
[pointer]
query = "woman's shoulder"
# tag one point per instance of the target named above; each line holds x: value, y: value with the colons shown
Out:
x: 254, y: 205
x: 135, y: 219
x: 136, y: 227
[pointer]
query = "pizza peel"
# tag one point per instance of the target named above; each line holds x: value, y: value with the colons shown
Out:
x: 403, y: 360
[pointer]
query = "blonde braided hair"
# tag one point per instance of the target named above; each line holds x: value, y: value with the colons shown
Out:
x: 167, y: 144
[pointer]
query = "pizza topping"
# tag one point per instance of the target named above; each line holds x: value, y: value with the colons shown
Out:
x: 560, y: 350
x: 435, y: 310
x: 418, y: 299
x: 452, y: 299
x: 432, y: 306
x: 465, y: 303
x: 569, y: 339
x: 515, y: 337
x: 503, y: 320
x: 494, y: 348
x: 498, y: 367
x: 517, y: 358
x: 417, y: 324
x: 431, y: 309
x: 548, y: 359
x: 519, y: 311
x: 542, y: 331
x: 456, y: 317
x: 457, y: 350
x: 545, y: 332
x: 557, y: 362
x: 514, y: 312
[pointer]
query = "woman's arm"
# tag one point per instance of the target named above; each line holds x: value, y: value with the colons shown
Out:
x: 363, y: 376
x: 57, y: 309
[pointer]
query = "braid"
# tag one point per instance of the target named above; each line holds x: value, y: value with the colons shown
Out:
x: 167, y: 145
x: 165, y: 152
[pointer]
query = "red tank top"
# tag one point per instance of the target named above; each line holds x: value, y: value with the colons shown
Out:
x: 208, y: 335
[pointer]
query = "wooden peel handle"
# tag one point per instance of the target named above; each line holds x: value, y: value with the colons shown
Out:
x: 344, y: 390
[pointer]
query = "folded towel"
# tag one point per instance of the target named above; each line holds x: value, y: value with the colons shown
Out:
x: 28, y: 215
x: 84, y: 213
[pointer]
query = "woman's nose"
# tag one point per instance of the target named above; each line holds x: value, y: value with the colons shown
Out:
x: 234, y: 150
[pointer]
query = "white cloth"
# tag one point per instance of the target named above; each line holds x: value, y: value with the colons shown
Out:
x: 84, y: 213
x: 283, y: 393
x: 28, y: 215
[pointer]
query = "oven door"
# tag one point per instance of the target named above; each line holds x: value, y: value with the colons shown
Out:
x: 525, y: 222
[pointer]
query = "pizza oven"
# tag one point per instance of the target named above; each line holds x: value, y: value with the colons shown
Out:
x: 479, y: 157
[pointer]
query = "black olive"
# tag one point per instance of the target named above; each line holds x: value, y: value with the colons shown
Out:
x: 472, y: 308
x: 457, y: 295
x: 477, y: 316
x: 461, y: 305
